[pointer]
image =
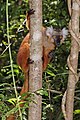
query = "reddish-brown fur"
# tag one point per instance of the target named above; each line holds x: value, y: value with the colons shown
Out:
x: 23, y: 56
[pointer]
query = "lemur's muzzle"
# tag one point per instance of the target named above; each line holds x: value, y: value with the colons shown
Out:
x: 57, y: 40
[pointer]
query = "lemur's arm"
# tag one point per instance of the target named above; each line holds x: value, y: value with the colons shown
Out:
x: 30, y: 12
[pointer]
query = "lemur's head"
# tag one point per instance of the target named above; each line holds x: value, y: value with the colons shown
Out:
x: 56, y: 36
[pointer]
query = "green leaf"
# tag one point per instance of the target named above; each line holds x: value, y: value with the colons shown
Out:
x: 51, y: 73
x: 42, y: 92
x: 12, y: 101
x: 77, y: 111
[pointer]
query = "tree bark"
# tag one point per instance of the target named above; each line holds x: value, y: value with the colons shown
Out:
x: 35, y: 74
x: 73, y: 60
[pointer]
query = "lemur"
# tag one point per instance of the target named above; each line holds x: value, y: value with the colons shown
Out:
x: 51, y: 38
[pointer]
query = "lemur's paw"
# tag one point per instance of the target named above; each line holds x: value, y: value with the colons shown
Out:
x: 30, y: 61
x: 31, y: 11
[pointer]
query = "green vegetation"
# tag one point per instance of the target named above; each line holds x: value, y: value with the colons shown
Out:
x: 55, y: 13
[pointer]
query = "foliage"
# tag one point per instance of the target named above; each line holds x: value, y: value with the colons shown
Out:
x: 55, y: 13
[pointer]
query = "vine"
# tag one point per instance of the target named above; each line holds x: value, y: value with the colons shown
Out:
x: 76, y: 75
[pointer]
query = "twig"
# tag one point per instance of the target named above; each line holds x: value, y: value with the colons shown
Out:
x: 54, y: 91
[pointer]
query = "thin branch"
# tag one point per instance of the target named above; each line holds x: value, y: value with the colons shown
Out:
x: 5, y: 49
x: 11, y: 61
x: 54, y: 91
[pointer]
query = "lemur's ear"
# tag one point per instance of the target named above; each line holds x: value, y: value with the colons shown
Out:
x: 64, y: 32
x: 49, y: 31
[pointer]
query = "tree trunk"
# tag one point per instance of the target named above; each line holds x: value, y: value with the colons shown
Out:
x: 35, y: 74
x: 73, y: 60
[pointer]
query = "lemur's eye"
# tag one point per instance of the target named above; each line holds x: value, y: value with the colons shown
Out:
x: 61, y: 36
x: 54, y: 36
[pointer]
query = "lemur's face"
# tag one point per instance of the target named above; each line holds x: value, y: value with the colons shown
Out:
x: 57, y: 39
x: 56, y: 36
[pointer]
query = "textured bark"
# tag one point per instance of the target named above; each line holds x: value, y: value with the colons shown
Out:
x: 73, y: 61
x: 35, y: 74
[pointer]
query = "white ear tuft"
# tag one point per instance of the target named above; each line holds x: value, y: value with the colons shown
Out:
x: 49, y: 31
x: 64, y: 32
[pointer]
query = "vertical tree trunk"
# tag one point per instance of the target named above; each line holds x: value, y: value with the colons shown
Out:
x: 73, y: 60
x: 35, y: 74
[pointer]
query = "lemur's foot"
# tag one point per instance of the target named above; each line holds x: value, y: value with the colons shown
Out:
x: 31, y: 11
x: 30, y: 61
